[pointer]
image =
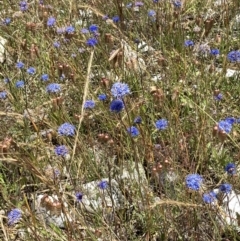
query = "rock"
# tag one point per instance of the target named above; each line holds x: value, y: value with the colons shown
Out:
x: 95, y: 198
x: 229, y: 209
x: 235, y: 23
x: 49, y: 210
x: 3, y: 41
x: 132, y: 59
x: 143, y: 47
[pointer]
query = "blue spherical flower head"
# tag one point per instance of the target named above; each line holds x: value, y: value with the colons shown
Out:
x: 79, y: 196
x: 177, y: 4
x: 20, y: 84
x: 89, y: 104
x: 53, y: 88
x: 116, y: 19
x: 214, y: 52
x: 84, y: 31
x: 161, y: 124
x: 69, y: 29
x: 230, y: 120
x: 138, y: 120
x: 23, y: 6
x: 14, y: 216
x: 139, y: 4
x: 188, y: 43
x: 116, y: 106
x: 56, y: 44
x: 225, y: 188
x: 218, y: 97
x: 133, y: 131
x: 93, y: 28
x: 91, y: 42
x: 102, y: 97
x: 151, y: 13
x: 103, y: 184
x: 3, y: 94
x: 51, y: 21
x: 31, y: 70
x: 119, y: 90
x: 224, y: 126
x: 61, y: 150
x: 210, y: 197
x: 66, y: 129
x: 20, y: 65
x: 194, y: 181
x: 7, y: 21
x: 230, y: 168
x: 234, y: 56
x: 44, y: 77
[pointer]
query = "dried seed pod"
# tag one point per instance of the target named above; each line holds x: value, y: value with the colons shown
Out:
x: 109, y: 38
x: 55, y: 208
x: 105, y: 82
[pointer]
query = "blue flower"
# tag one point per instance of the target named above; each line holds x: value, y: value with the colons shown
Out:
x: 103, y: 185
x: 194, y: 181
x: 210, y: 197
x: 230, y: 120
x: 177, y: 4
x: 133, y: 131
x: 234, y: 56
x: 79, y: 196
x: 7, y: 21
x: 56, y: 44
x: 3, y: 94
x: 91, y: 42
x: 23, y: 6
x: 215, y: 52
x: 20, y: 84
x: 116, y: 19
x: 61, y: 150
x: 69, y: 29
x: 230, y: 168
x: 224, y: 126
x: 44, y: 77
x: 14, y: 216
x: 139, y: 4
x: 138, y: 120
x: 66, y: 129
x: 89, y: 104
x: 53, y: 88
x: 219, y: 96
x: 51, y: 21
x: 93, y: 28
x: 161, y: 124
x: 225, y: 188
x: 84, y: 31
x: 116, y: 106
x: 31, y: 70
x: 188, y: 43
x: 102, y: 97
x: 6, y: 80
x: 151, y: 13
x: 119, y: 89
x: 20, y: 65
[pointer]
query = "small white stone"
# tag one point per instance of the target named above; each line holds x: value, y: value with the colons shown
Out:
x: 3, y: 41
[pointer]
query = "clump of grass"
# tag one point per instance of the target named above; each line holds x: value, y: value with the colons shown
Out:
x: 92, y: 91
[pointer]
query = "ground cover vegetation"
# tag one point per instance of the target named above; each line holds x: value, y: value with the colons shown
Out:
x: 120, y: 120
